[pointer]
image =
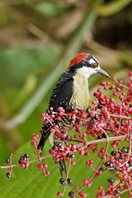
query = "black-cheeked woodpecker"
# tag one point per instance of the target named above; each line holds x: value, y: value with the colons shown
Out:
x: 71, y: 91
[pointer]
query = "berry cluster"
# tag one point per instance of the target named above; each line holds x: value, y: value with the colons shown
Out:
x: 107, y: 120
x: 24, y: 161
x: 41, y: 166
x: 9, y: 162
x: 104, y: 129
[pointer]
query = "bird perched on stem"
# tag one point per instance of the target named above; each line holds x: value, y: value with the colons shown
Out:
x: 71, y: 91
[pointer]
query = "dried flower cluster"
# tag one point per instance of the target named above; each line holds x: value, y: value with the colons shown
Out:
x: 108, y: 120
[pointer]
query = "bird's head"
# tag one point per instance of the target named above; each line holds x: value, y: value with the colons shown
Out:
x: 87, y: 65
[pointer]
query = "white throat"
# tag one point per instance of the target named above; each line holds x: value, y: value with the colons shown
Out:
x: 80, y: 97
x: 86, y: 72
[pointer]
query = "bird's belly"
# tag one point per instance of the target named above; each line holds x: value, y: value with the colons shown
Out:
x: 80, y: 98
x: 51, y: 139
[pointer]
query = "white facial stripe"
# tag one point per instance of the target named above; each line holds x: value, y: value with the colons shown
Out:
x: 87, y: 71
x: 95, y: 59
x: 91, y: 61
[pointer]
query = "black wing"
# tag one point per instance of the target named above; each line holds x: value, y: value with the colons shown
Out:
x: 45, y: 134
x: 60, y: 98
x: 62, y: 93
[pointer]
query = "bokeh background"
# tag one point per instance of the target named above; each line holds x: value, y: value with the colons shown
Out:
x: 37, y: 40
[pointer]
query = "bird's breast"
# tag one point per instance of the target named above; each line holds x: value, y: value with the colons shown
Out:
x: 80, y: 97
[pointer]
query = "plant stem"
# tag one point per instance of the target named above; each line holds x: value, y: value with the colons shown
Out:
x: 30, y: 162
x: 121, y: 137
x: 72, y: 47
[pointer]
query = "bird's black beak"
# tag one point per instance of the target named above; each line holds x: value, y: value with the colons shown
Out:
x: 103, y: 72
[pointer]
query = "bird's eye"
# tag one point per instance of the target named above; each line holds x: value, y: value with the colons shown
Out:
x: 93, y: 63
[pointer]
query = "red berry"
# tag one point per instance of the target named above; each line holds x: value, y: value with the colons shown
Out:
x: 59, y: 194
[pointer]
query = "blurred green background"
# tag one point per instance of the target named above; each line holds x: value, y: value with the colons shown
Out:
x: 37, y: 40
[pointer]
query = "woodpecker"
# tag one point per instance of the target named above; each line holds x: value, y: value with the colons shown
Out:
x: 71, y: 91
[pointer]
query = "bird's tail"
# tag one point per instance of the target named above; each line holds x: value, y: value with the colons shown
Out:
x: 45, y: 134
x: 62, y: 167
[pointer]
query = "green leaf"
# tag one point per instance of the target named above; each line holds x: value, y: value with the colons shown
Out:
x: 31, y: 183
x: 124, y: 195
x: 26, y: 90
x: 50, y: 9
x: 3, y: 148
x: 17, y: 64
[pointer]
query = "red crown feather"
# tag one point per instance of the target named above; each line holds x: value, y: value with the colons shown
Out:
x: 78, y: 58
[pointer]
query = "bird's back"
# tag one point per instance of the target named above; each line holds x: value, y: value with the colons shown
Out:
x: 62, y: 92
